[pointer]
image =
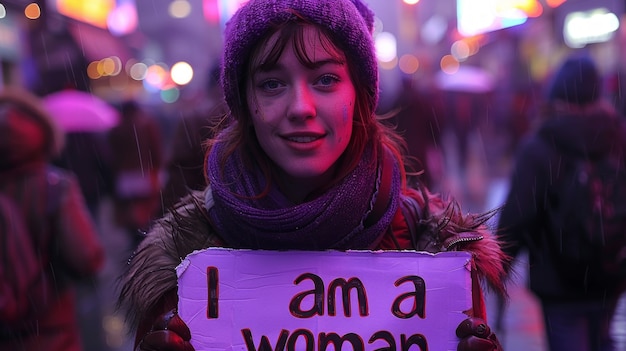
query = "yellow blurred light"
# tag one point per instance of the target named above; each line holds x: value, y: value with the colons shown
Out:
x: 408, y: 64
x: 32, y: 11
x: 94, y: 12
x: 449, y: 64
x: 530, y: 7
x: 100, y: 68
x: 108, y: 66
x: 179, y: 8
x: 92, y: 70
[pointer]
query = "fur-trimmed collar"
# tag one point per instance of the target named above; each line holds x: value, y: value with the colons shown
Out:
x: 152, y: 269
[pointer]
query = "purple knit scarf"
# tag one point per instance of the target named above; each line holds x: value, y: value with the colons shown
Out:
x: 334, y: 220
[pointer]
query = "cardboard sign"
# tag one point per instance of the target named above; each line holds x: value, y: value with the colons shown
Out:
x: 294, y: 300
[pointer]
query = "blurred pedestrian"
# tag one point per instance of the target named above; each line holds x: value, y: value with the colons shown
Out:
x: 548, y: 213
x: 137, y: 164
x: 56, y: 217
x: 419, y: 118
x: 185, y: 165
x: 86, y: 154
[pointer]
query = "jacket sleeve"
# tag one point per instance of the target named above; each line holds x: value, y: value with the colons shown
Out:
x: 77, y: 244
x: 524, y: 208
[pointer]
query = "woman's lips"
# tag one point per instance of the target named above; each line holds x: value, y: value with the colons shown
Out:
x: 303, y: 141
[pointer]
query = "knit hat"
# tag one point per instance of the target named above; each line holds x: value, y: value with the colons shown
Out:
x: 577, y: 81
x: 350, y: 23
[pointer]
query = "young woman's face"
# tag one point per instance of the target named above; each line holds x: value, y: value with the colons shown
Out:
x: 303, y: 114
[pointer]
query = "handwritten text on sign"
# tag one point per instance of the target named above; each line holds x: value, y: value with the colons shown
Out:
x: 358, y: 300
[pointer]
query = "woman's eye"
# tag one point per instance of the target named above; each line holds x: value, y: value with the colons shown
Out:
x: 328, y: 80
x: 270, y: 84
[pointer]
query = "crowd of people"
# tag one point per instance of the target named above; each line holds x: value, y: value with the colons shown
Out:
x: 287, y: 152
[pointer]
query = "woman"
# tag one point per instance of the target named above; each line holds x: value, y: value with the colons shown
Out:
x: 55, y: 215
x: 302, y: 163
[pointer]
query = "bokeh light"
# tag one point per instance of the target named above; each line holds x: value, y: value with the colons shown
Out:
x: 94, y: 12
x: 181, y: 73
x: 170, y: 95
x: 156, y: 76
x: 92, y: 70
x: 555, y: 3
x: 138, y: 71
x: 449, y: 64
x: 408, y: 64
x: 179, y: 8
x: 123, y: 19
x: 32, y: 11
x: 460, y: 50
x: 386, y: 47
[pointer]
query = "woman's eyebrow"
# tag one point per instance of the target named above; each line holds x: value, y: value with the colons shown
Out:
x: 314, y: 65
x: 328, y: 61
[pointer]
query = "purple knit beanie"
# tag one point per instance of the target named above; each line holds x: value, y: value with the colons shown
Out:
x: 350, y: 23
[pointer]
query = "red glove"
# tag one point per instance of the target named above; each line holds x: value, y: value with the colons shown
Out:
x: 476, y: 335
x: 168, y: 333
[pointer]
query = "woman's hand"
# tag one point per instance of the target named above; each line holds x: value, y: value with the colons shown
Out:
x: 169, y: 333
x: 476, y: 335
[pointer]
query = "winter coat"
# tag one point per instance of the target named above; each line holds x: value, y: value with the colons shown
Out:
x: 137, y: 163
x: 570, y: 132
x: 71, y: 251
x: 58, y: 221
x: 148, y: 292
x: 86, y: 154
x: 185, y: 165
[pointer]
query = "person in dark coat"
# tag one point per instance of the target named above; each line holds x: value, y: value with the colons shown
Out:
x: 137, y: 161
x: 185, y: 164
x: 577, y: 123
x: 58, y: 221
x: 420, y: 120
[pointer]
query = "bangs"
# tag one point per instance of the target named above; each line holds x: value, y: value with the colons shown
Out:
x: 293, y: 32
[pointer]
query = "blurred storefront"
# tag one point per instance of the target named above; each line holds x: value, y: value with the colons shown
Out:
x: 513, y: 40
x: 518, y: 42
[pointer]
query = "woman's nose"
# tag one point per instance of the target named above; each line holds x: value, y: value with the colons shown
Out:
x: 302, y: 105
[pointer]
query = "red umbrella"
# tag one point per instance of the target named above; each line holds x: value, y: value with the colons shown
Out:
x: 78, y: 111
